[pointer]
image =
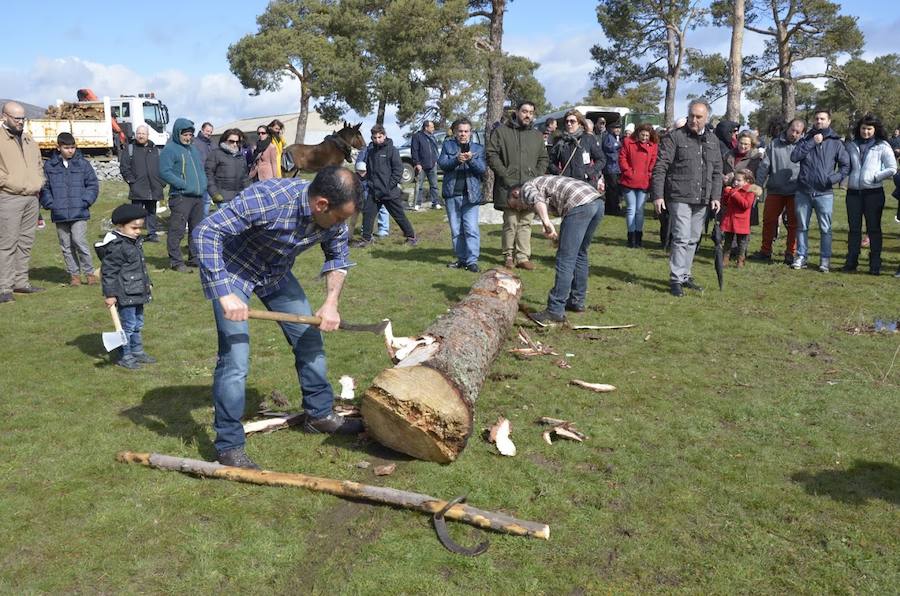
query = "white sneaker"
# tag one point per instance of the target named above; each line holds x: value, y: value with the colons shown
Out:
x: 824, y: 265
x: 417, y: 208
x: 799, y: 263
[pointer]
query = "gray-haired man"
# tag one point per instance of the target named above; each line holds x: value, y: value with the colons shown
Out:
x: 686, y: 179
x: 139, y: 166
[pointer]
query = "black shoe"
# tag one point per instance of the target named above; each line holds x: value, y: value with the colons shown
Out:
x: 456, y: 265
x: 849, y: 268
x: 545, y: 318
x: 639, y: 240
x: 237, y: 458
x: 29, y: 289
x: 7, y: 297
x: 143, y: 357
x: 874, y: 271
x: 761, y: 256
x: 473, y: 267
x: 194, y: 264
x: 333, y: 424
x: 182, y: 268
x: 630, y: 241
x: 575, y: 307
x: 362, y: 243
x: 691, y: 284
x: 675, y: 289
x: 129, y: 362
x: 153, y: 238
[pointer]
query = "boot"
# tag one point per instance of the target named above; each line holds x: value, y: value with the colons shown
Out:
x: 726, y: 259
x: 75, y: 280
x: 741, y: 261
x: 639, y: 240
x: 630, y: 242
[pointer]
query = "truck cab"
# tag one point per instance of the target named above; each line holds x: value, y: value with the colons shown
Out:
x: 131, y: 111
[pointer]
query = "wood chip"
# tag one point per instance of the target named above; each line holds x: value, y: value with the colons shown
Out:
x: 348, y: 384
x: 547, y: 439
x: 385, y: 470
x: 598, y: 387
x: 562, y: 363
x: 499, y: 436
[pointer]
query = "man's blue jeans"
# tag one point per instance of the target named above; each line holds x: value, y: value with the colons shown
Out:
x: 465, y: 234
x: 230, y: 377
x: 431, y: 175
x: 804, y: 203
x: 575, y: 234
x: 384, y: 222
x: 634, y: 208
x: 132, y: 318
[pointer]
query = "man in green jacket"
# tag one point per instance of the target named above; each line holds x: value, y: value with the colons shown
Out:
x: 516, y: 154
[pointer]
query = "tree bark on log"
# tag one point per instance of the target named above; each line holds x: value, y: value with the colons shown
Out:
x: 424, y: 405
x: 343, y: 488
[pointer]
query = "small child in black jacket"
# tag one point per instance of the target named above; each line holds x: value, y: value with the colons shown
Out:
x: 125, y: 281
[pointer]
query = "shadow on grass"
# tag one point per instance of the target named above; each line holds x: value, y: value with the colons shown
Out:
x: 50, y: 275
x: 453, y: 293
x: 169, y: 412
x: 91, y: 343
x: 372, y: 449
x: 651, y: 283
x: 864, y: 480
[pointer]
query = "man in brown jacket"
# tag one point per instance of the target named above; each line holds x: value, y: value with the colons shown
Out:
x: 21, y: 179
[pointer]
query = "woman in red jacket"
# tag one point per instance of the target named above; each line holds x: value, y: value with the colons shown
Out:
x: 636, y: 160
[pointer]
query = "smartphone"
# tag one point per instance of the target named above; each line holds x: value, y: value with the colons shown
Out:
x: 464, y: 147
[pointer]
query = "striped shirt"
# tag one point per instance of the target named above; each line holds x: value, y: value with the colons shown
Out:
x: 251, y: 242
x: 560, y: 193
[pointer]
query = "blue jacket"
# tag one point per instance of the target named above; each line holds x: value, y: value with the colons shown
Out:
x: 180, y: 165
x: 817, y: 162
x: 473, y: 170
x: 70, y: 191
x: 424, y: 150
x: 611, y: 146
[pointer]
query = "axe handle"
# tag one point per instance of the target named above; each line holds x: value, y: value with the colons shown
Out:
x: 271, y: 315
x: 114, y: 313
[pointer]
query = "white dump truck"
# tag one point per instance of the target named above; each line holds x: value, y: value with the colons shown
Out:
x: 101, y: 126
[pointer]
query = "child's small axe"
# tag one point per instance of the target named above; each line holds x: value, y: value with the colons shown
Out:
x: 114, y: 339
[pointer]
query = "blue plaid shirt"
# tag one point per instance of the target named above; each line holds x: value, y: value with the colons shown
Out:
x: 251, y: 242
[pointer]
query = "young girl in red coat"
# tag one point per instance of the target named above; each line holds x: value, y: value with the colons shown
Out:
x: 737, y: 201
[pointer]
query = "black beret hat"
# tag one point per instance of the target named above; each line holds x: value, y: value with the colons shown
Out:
x: 128, y: 212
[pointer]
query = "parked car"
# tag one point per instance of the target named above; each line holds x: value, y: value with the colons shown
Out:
x: 409, y: 172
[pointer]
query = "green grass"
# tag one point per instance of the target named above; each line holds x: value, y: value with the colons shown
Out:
x: 751, y: 446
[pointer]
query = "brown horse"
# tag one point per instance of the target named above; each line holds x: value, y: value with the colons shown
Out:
x: 331, y: 152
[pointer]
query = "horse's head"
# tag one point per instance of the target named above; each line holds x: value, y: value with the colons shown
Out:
x: 352, y: 136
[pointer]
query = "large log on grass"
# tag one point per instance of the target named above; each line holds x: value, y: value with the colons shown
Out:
x: 424, y: 405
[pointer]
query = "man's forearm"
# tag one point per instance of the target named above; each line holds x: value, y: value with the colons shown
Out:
x: 334, y: 283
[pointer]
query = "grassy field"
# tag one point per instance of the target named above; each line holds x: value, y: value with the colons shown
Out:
x: 751, y: 446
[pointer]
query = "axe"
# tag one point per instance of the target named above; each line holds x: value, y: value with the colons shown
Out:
x: 114, y: 339
x: 376, y: 328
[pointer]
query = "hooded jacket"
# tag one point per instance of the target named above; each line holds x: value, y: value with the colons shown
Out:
x: 124, y: 271
x: 139, y: 166
x: 384, y: 170
x: 69, y: 191
x: 611, y: 147
x: 725, y: 133
x: 226, y: 173
x: 473, y: 170
x: 587, y: 163
x: 424, y: 150
x: 817, y: 162
x: 879, y: 165
x: 636, y: 160
x: 516, y: 154
x: 688, y: 169
x: 20, y: 165
x: 180, y: 165
x: 776, y: 172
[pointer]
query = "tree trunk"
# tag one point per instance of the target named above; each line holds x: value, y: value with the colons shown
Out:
x: 305, y: 96
x: 671, y: 80
x: 495, y: 98
x: 382, y: 106
x: 786, y: 80
x: 735, y: 63
x: 424, y: 405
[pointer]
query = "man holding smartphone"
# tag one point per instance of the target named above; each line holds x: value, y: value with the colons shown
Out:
x: 463, y: 165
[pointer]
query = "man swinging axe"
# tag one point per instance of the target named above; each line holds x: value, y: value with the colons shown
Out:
x: 248, y: 247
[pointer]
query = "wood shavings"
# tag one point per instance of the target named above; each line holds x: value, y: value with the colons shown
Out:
x: 499, y: 436
x: 348, y: 384
x: 598, y: 387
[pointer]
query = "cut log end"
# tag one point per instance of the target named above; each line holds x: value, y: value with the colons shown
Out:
x: 416, y: 411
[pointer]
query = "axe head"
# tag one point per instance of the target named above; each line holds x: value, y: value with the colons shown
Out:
x: 376, y: 328
x: 113, y: 340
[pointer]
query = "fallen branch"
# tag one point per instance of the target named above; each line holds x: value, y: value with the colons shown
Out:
x: 480, y: 518
x: 598, y: 387
x: 596, y: 327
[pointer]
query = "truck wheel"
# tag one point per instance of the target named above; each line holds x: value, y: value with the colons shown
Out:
x: 409, y: 173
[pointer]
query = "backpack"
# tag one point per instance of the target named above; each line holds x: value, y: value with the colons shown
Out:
x: 287, y: 162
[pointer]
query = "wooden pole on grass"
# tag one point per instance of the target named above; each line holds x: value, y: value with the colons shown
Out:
x: 490, y: 520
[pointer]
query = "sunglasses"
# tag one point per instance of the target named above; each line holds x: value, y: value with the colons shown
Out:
x: 571, y: 121
x: 232, y: 141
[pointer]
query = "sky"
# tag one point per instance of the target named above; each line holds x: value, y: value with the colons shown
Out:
x: 178, y: 50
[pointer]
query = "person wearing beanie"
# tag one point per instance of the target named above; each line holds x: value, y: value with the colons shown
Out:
x: 125, y: 281
x: 70, y: 190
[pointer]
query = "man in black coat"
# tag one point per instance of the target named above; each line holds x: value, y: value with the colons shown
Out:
x: 384, y: 170
x: 139, y: 166
x: 424, y: 152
